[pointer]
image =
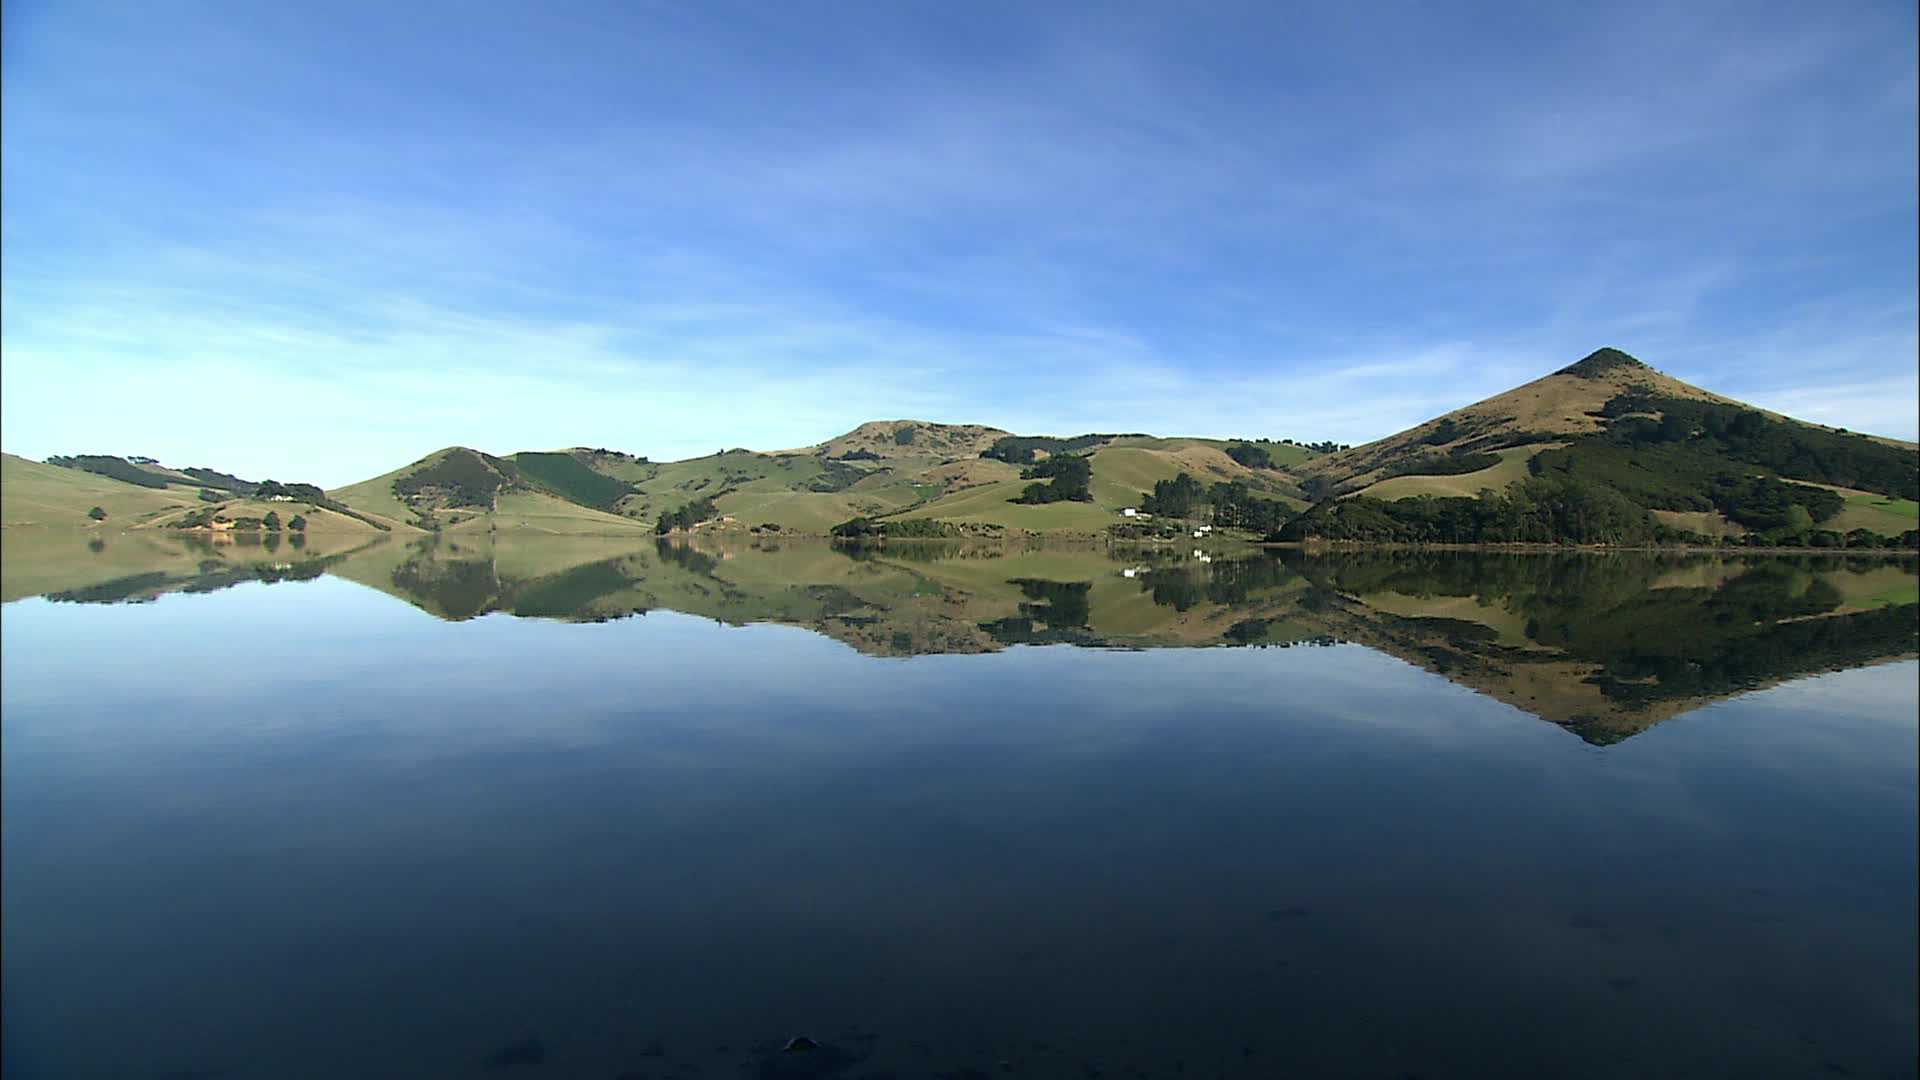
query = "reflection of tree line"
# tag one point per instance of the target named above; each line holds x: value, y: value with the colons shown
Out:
x: 1227, y: 582
x: 1055, y: 612
x: 1772, y: 620
x: 212, y: 575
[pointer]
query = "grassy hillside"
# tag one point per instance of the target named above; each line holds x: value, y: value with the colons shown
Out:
x: 1609, y: 450
x: 316, y: 519
x: 376, y: 496
x: 32, y: 493
x: 1606, y: 450
x: 1551, y: 408
x: 534, y: 512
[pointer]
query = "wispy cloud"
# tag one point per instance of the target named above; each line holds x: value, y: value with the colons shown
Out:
x: 678, y: 231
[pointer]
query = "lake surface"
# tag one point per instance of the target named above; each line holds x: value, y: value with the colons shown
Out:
x: 520, y: 807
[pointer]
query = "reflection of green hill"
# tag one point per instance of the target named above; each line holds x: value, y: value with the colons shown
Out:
x: 1606, y: 645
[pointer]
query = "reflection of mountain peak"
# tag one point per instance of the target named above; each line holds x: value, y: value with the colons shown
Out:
x: 1607, y: 645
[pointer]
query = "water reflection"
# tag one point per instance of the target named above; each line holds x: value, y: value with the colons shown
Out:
x: 293, y: 827
x: 1604, y: 644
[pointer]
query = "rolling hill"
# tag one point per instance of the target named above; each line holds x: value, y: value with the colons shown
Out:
x: 905, y: 469
x: 1606, y: 450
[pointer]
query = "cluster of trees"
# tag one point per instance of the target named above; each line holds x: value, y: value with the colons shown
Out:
x: 1691, y: 477
x: 1326, y: 447
x: 1236, y: 507
x: 1071, y: 477
x: 1253, y: 457
x: 107, y: 465
x: 1229, y: 504
x: 214, y: 478
x: 1795, y: 451
x: 1176, y: 498
x: 467, y: 477
x: 307, y: 492
x: 866, y: 528
x: 687, y: 516
x: 858, y: 454
x: 1456, y: 463
x: 837, y: 475
x: 904, y: 437
x: 1021, y: 449
x: 601, y: 451
x: 1538, y: 510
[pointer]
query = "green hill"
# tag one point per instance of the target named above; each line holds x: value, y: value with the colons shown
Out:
x: 463, y: 489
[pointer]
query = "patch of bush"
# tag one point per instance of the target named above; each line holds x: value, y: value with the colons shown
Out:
x: 686, y: 517
x: 213, y: 478
x: 1021, y: 449
x: 109, y: 466
x: 836, y: 476
x: 1071, y: 476
x: 866, y: 528
x: 468, y: 477
x: 1253, y: 457
x: 1794, y: 451
x: 567, y: 476
x: 1456, y: 463
x: 1535, y: 511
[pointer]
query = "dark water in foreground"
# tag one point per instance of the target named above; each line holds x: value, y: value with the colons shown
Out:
x: 442, y: 813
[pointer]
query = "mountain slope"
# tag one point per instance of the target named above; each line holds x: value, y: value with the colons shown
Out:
x: 1552, y: 408
x: 462, y: 488
x: 1609, y: 450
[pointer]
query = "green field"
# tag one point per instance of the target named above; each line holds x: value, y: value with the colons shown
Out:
x: 1512, y: 468
x: 1884, y: 514
x: 537, y: 512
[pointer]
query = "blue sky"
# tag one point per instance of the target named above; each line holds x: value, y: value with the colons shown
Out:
x: 316, y: 241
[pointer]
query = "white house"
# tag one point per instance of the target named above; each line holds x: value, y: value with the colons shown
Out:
x: 1130, y: 511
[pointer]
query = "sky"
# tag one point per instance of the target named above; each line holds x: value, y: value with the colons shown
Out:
x: 316, y: 241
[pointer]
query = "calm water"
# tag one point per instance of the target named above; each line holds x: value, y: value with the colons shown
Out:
x: 572, y: 808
